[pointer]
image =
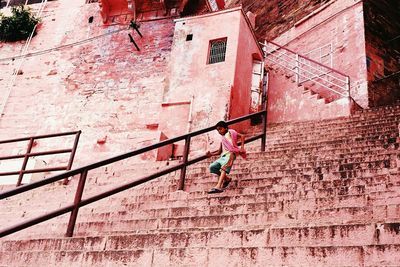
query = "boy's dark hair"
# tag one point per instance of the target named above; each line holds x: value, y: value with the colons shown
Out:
x: 222, y: 124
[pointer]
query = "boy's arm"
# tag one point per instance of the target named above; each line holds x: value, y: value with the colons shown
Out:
x: 216, y: 152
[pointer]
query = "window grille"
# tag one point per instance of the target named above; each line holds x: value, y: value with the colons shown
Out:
x: 217, y: 51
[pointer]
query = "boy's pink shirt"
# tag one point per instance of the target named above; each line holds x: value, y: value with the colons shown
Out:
x: 232, y: 147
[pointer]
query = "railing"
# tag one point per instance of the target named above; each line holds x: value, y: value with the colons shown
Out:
x: 28, y: 154
x: 307, y: 70
x: 83, y: 171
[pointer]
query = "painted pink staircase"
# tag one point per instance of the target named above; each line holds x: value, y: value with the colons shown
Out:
x: 300, y: 88
x: 325, y: 193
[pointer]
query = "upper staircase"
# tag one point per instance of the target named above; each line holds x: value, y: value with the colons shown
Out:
x: 301, y: 88
x: 325, y: 193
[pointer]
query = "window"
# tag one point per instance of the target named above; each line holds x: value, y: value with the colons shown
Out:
x: 217, y: 51
x: 189, y: 37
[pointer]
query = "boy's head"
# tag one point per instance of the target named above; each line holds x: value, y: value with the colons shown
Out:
x: 222, y: 127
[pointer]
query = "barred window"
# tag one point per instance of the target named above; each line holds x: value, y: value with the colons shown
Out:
x: 217, y: 51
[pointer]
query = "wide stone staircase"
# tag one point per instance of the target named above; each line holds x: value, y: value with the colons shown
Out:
x: 325, y: 193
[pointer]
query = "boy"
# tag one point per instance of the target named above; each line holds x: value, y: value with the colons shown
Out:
x: 229, y: 150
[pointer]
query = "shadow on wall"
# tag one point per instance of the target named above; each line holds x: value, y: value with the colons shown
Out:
x: 384, y: 91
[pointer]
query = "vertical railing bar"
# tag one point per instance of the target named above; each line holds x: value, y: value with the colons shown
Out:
x: 305, y: 64
x: 185, y: 160
x: 77, y: 200
x: 348, y: 86
x: 25, y: 162
x: 72, y: 155
x: 264, y: 137
x: 297, y: 69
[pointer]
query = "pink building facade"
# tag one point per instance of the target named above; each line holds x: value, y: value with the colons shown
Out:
x: 211, y: 67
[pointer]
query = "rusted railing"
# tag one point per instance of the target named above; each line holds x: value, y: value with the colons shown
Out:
x: 83, y: 172
x: 306, y: 69
x: 31, y: 140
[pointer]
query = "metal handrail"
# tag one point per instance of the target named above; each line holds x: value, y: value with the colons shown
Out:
x: 309, y: 59
x: 311, y: 79
x: 297, y: 69
x: 322, y: 72
x: 28, y: 154
x: 339, y: 93
x: 83, y: 171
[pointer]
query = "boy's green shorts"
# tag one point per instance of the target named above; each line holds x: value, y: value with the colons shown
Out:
x: 216, y: 166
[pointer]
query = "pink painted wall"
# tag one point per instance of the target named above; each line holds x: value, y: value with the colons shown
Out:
x: 340, y: 23
x: 210, y: 85
x: 248, y: 50
x: 103, y: 87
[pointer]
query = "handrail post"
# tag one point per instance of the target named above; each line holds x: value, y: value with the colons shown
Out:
x: 348, y: 85
x: 264, y: 137
x: 25, y: 162
x: 72, y: 155
x: 297, y: 68
x: 185, y: 160
x: 77, y: 200
x: 265, y: 48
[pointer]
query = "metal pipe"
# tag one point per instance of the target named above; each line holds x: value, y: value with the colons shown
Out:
x: 105, y: 162
x: 72, y: 155
x: 309, y: 59
x: 264, y: 133
x: 297, y: 71
x: 108, y: 193
x: 185, y: 160
x: 62, y: 168
x: 77, y: 200
x: 37, y: 137
x: 50, y: 152
x: 25, y: 162
x: 315, y: 81
x: 322, y: 72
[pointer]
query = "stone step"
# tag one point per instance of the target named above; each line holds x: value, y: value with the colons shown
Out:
x: 309, y: 235
x: 333, y: 135
x: 370, y: 255
x: 360, y: 117
x: 334, y: 125
x: 271, y: 214
x: 259, y: 181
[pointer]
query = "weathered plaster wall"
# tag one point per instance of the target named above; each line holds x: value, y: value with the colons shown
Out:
x: 342, y: 25
x: 104, y: 87
x: 241, y: 92
x: 289, y: 102
x: 382, y: 27
x: 191, y: 75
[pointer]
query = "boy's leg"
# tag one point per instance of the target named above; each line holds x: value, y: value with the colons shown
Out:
x: 224, y: 180
x: 215, y: 168
x: 221, y: 179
